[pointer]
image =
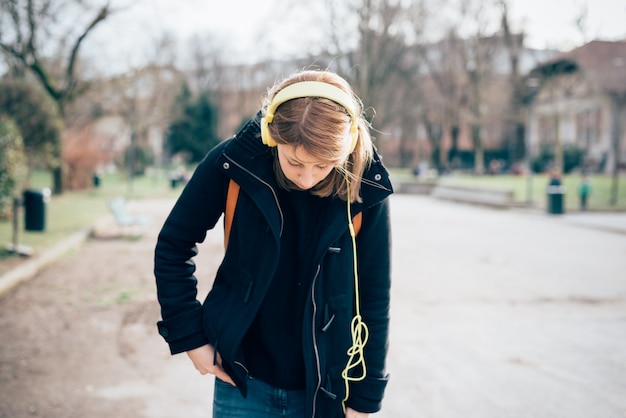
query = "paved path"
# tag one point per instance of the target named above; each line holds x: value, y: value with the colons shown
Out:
x: 506, y: 314
x: 496, y: 313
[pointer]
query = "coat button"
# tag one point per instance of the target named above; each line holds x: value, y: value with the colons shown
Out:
x: 226, y: 166
x: 377, y: 177
x: 164, y: 332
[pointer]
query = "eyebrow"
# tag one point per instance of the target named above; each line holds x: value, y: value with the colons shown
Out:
x: 297, y: 161
x: 293, y: 158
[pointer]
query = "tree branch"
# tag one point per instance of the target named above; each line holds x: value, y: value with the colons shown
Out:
x: 103, y: 13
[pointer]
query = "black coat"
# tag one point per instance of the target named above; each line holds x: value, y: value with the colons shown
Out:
x: 251, y: 260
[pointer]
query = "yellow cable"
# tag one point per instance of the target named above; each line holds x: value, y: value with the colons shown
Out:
x: 359, y: 330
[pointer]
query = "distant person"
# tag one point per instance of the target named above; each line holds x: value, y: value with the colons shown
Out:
x: 584, y: 190
x: 494, y: 167
x: 289, y: 329
x: 555, y: 178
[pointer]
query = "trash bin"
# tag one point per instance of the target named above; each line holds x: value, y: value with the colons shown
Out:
x: 556, y: 199
x: 35, y: 209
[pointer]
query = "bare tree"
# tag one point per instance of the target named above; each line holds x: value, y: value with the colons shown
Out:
x: 461, y: 67
x: 381, y: 62
x: 142, y: 98
x: 581, y: 21
x: 445, y: 62
x: 479, y: 68
x: 515, y: 125
x: 27, y: 31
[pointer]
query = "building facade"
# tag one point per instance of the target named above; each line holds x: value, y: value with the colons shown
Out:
x: 578, y: 99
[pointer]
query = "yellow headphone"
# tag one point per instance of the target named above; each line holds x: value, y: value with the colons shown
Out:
x: 310, y: 89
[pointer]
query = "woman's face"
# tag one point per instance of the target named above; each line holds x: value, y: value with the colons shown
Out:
x: 301, y: 168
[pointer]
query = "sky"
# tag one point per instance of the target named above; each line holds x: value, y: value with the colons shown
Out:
x: 549, y: 23
x: 237, y: 26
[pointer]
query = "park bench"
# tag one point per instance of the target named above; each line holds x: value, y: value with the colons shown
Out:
x: 421, y: 188
x: 498, y: 198
x: 123, y: 224
x: 122, y: 216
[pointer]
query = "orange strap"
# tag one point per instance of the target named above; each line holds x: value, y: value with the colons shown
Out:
x: 231, y: 202
x: 357, y: 220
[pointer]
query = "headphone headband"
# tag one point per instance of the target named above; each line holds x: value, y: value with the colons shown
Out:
x: 310, y: 89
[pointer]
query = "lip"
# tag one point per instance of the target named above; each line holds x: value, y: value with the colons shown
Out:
x: 299, y: 186
x: 302, y: 188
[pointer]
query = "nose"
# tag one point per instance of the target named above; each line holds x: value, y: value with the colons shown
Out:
x: 306, y: 179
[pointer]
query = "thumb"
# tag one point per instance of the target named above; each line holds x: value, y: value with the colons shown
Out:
x: 224, y: 377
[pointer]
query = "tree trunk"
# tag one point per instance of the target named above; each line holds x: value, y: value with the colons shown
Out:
x: 57, y: 180
x: 454, y: 145
x: 617, y: 105
x: 479, y: 152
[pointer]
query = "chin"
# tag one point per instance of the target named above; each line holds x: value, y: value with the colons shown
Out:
x: 293, y: 185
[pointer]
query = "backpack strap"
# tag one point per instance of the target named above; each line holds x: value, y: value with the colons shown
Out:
x: 231, y: 203
x: 357, y: 220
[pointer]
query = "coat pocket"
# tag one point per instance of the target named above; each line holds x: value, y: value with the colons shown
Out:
x: 336, y: 311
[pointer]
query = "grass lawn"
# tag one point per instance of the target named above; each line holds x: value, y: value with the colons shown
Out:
x: 533, y: 189
x: 75, y: 210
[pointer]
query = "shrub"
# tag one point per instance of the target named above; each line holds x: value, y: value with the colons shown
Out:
x: 83, y: 155
x: 13, y: 166
x: 573, y: 158
x: 541, y: 162
x: 38, y: 120
x: 194, y: 130
x: 140, y: 156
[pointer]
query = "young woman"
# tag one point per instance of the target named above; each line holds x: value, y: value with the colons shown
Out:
x: 296, y: 322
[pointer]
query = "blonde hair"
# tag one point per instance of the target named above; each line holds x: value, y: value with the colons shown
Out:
x: 322, y: 128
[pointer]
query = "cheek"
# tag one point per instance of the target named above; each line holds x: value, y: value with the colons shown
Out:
x: 289, y: 171
x: 291, y: 174
x: 326, y: 172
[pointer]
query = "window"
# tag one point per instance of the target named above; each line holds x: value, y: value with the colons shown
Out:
x: 546, y: 129
x: 588, y: 127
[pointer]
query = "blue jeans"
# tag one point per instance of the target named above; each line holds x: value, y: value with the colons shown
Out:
x: 263, y: 401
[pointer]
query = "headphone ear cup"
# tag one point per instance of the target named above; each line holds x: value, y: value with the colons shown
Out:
x: 354, y: 136
x: 265, y: 134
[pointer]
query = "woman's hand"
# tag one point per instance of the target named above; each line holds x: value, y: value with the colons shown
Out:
x: 202, y: 358
x: 351, y: 413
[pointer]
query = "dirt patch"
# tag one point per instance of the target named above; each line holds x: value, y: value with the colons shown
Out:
x: 79, y: 339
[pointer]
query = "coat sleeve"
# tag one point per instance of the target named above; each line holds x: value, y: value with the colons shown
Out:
x: 374, y: 266
x: 196, y: 211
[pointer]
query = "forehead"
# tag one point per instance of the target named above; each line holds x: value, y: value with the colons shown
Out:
x: 299, y: 154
